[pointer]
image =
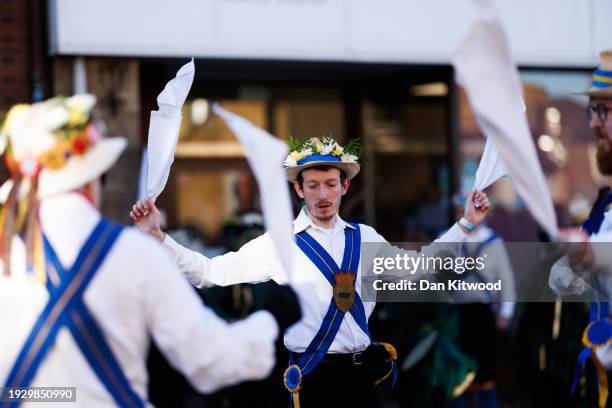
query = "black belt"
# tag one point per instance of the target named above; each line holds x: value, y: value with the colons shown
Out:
x: 339, y: 358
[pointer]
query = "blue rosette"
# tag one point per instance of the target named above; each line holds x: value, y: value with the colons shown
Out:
x: 292, y: 378
x: 597, y: 334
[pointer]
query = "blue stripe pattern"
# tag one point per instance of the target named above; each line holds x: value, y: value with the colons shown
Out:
x: 603, y: 73
x: 602, y: 84
x: 67, y: 308
x: 321, y: 342
x: 319, y: 157
x: 599, y: 84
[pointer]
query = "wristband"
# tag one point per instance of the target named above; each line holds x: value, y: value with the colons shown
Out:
x: 468, y: 225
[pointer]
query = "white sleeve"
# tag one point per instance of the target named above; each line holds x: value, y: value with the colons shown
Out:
x: 256, y: 261
x: 210, y: 352
x: 601, y: 244
x: 451, y: 241
x: 564, y: 281
x: 454, y: 234
x: 448, y: 244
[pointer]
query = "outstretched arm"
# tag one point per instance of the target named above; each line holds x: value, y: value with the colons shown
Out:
x: 210, y: 352
x: 256, y: 261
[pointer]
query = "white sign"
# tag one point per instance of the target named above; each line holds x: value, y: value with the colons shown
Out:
x: 543, y: 32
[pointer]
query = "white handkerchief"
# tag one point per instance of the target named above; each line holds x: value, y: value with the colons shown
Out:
x: 491, y: 167
x: 142, y: 177
x: 483, y: 66
x: 265, y: 154
x: 164, y: 127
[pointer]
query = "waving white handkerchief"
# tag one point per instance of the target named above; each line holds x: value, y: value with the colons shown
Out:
x: 265, y: 154
x: 491, y: 167
x: 483, y: 66
x: 164, y: 128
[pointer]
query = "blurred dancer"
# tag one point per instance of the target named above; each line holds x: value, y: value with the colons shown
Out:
x: 81, y: 297
x: 482, y: 314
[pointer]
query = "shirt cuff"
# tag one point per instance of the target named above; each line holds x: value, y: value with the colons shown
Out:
x: 170, y: 243
x: 454, y: 234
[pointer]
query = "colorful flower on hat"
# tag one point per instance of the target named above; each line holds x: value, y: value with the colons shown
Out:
x: 79, y: 144
x: 326, y: 146
x: 79, y: 107
x: 50, y: 132
x: 349, y: 158
x: 29, y: 167
x: 14, y: 118
x: 338, y: 150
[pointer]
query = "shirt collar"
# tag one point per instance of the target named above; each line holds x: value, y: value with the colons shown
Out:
x: 303, y: 221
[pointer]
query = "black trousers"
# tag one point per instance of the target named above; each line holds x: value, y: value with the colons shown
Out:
x: 338, y: 383
x: 477, y: 338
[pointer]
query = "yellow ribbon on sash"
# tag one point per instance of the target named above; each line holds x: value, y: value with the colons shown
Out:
x: 602, y: 376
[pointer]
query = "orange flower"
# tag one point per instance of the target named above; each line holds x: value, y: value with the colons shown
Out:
x: 53, y: 159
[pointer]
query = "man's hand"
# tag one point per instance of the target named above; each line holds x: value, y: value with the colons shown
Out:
x: 575, y: 243
x: 476, y: 207
x: 146, y: 216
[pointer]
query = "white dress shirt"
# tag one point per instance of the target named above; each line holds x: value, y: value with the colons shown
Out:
x: 257, y: 261
x: 137, y: 294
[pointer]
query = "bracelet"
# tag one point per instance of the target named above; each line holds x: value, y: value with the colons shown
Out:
x: 468, y: 225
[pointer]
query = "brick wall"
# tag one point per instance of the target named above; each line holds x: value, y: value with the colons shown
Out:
x: 14, y: 53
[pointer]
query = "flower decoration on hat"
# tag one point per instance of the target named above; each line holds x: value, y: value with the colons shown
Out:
x: 48, y: 134
x: 33, y: 138
x: 325, y: 151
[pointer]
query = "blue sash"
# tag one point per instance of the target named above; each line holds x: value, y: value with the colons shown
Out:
x: 599, y: 330
x: 321, y: 342
x: 67, y: 308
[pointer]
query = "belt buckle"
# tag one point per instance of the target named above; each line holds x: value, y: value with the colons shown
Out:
x: 355, y: 356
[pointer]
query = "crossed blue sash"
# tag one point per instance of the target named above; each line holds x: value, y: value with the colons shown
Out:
x: 599, y: 330
x: 321, y: 342
x: 67, y: 308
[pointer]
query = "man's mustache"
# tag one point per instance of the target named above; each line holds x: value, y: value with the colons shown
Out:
x: 323, y: 203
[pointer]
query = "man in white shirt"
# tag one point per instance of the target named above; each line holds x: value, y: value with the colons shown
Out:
x: 334, y: 362
x: 588, y: 264
x: 81, y: 297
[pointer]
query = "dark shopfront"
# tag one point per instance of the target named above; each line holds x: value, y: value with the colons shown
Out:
x: 403, y: 114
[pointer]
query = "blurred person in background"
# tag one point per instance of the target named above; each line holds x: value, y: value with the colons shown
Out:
x: 81, y: 297
x: 483, y: 314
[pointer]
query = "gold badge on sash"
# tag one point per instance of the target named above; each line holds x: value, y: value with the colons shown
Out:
x: 344, y: 290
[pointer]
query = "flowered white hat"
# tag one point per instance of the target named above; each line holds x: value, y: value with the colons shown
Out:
x: 322, y: 151
x: 57, y: 142
x: 50, y: 147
